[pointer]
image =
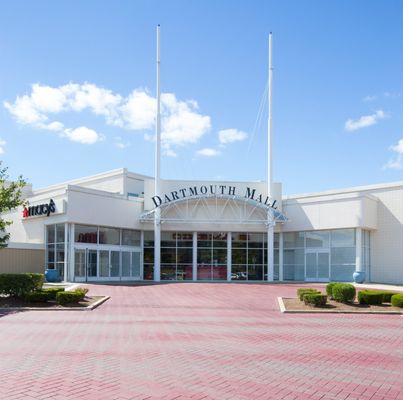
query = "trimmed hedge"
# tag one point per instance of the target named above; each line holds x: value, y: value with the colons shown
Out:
x: 315, y: 299
x: 82, y: 291
x: 19, y: 285
x: 397, y: 300
x: 343, y: 292
x: 370, y: 297
x: 64, y: 298
x: 38, y: 296
x: 387, y: 296
x: 302, y: 291
x: 329, y: 289
x: 53, y: 292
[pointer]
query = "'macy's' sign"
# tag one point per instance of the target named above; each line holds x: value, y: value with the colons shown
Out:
x: 40, y: 209
x: 209, y: 190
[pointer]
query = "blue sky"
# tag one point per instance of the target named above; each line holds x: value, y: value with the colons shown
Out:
x: 77, y: 87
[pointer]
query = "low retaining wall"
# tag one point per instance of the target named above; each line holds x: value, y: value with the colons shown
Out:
x: 21, y: 260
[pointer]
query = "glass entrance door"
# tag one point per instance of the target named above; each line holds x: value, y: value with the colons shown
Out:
x: 109, y: 264
x: 317, y: 265
x: 85, y: 264
x: 131, y: 265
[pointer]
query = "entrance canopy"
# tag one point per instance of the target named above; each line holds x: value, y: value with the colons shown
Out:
x: 215, y: 209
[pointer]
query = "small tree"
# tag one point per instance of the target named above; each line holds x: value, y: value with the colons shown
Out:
x: 10, y: 198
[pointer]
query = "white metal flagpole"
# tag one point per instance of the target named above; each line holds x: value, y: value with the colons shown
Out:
x: 270, y: 226
x: 157, y: 214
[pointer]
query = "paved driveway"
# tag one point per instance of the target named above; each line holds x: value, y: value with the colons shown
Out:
x: 199, y: 341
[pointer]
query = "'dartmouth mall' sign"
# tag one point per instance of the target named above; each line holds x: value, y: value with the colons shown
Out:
x: 212, y: 190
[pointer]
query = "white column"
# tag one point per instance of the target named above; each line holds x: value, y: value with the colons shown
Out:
x: 72, y: 254
x: 142, y: 255
x: 270, y: 255
x: 157, y: 215
x: 280, y: 261
x: 358, y: 250
x: 229, y: 256
x: 195, y: 256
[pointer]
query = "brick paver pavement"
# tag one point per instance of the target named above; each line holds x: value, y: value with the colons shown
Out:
x: 199, y: 341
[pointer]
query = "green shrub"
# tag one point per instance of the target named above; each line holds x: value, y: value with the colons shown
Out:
x: 343, y: 292
x: 302, y: 291
x: 53, y: 292
x: 82, y: 291
x: 18, y: 285
x: 315, y: 299
x: 372, y: 297
x: 329, y: 289
x: 64, y: 298
x: 397, y: 300
x: 38, y: 296
x: 387, y: 296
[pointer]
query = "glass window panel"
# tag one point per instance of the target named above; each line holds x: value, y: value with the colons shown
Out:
x: 204, y: 239
x: 60, y: 233
x: 79, y: 263
x: 185, y: 256
x: 343, y: 255
x: 184, y: 272
x: 293, y: 272
x: 276, y: 240
x: 343, y: 237
x: 239, y: 240
x: 255, y: 256
x: 220, y: 256
x: 109, y: 236
x: 255, y: 272
x: 135, y: 267
x: 85, y: 234
x: 294, y: 256
x: 149, y: 256
x: 51, y: 265
x: 220, y: 272
x: 168, y: 272
x: 255, y: 240
x: 50, y: 233
x: 148, y: 239
x: 51, y: 255
x: 239, y: 256
x: 204, y: 272
x: 204, y: 256
x: 293, y: 240
x: 168, y: 239
x: 276, y: 274
x: 342, y: 273
x: 317, y: 239
x: 168, y: 255
x: 238, y: 273
x: 104, y: 263
x: 130, y: 238
x: 148, y: 272
x: 184, y: 236
x: 60, y: 253
x: 115, y: 263
x: 60, y: 269
x: 125, y: 263
x: 276, y: 255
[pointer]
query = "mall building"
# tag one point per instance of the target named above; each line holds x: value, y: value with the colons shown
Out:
x: 101, y: 228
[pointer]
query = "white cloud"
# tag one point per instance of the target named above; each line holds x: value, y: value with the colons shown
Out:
x: 208, y: 152
x: 182, y: 123
x: 82, y: 135
x: 396, y: 162
x: 231, y: 135
x: 369, y: 98
x: 364, y: 121
x: 120, y: 144
x: 2, y: 144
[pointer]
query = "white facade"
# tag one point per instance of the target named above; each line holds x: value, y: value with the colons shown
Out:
x: 327, y: 236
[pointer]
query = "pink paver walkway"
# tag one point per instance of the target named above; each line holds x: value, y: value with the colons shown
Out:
x: 199, y: 341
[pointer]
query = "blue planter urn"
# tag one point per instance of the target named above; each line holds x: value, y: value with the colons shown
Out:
x: 52, y: 275
x: 359, y: 276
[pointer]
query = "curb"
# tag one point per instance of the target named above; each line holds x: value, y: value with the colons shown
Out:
x: 284, y: 310
x: 89, y: 308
